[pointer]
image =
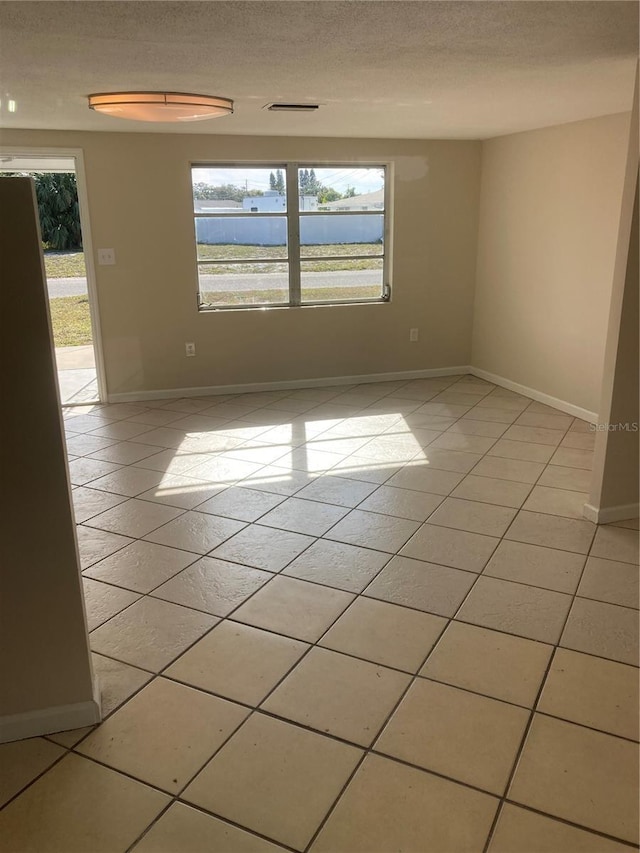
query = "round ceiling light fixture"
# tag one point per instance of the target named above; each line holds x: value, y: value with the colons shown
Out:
x: 160, y: 106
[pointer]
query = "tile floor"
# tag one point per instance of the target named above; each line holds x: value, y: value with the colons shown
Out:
x: 365, y: 618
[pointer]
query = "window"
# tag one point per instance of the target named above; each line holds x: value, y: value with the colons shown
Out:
x: 290, y: 235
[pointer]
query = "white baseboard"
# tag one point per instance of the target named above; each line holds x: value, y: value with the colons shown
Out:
x: 607, y: 514
x: 404, y: 375
x: 292, y: 384
x: 538, y: 396
x: 45, y: 721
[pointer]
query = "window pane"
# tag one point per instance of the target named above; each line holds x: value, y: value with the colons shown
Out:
x: 334, y: 188
x: 341, y: 235
x: 238, y: 237
x: 328, y: 281
x: 243, y: 284
x: 234, y: 189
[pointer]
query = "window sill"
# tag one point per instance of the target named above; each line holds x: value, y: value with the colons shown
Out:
x: 213, y: 309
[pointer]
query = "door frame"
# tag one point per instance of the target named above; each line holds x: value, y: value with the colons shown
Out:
x: 77, y: 155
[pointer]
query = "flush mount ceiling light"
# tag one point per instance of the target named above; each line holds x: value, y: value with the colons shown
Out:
x: 160, y: 106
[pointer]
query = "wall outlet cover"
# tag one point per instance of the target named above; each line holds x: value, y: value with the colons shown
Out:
x: 106, y: 257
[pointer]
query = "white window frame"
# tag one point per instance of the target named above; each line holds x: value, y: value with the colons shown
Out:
x: 294, y: 250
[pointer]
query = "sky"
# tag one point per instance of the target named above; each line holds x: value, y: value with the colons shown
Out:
x: 362, y: 179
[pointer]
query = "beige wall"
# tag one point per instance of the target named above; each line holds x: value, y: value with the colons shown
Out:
x: 614, y: 485
x: 44, y: 648
x: 617, y: 462
x: 140, y: 205
x: 549, y: 212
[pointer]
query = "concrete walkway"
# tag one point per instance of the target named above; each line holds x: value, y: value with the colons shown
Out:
x: 78, y: 386
x: 74, y: 358
x: 77, y: 374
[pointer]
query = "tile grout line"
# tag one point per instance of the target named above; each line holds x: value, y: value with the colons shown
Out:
x: 567, y: 822
x: 203, y: 811
x: 527, y: 727
x: 415, y: 676
x: 362, y: 593
x: 534, y: 708
x: 287, y: 673
x: 367, y: 750
x: 376, y: 737
x: 256, y: 708
x: 19, y: 793
x: 330, y: 540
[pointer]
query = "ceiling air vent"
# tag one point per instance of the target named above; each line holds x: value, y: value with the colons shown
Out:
x: 292, y: 108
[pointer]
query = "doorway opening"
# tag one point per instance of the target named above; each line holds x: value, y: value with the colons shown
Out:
x: 67, y: 259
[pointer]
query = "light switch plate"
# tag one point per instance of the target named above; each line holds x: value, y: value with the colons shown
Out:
x: 106, y: 257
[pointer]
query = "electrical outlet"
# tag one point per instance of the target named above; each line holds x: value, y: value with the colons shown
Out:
x: 106, y: 257
x: 190, y: 349
x: 413, y: 335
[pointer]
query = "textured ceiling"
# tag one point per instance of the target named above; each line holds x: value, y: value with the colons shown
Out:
x: 415, y: 69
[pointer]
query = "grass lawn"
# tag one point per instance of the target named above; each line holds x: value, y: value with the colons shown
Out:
x: 320, y: 294
x: 248, y: 253
x: 64, y: 264
x: 70, y: 320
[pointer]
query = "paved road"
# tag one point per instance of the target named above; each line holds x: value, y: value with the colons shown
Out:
x: 225, y: 283
x: 269, y: 281
x: 66, y: 287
